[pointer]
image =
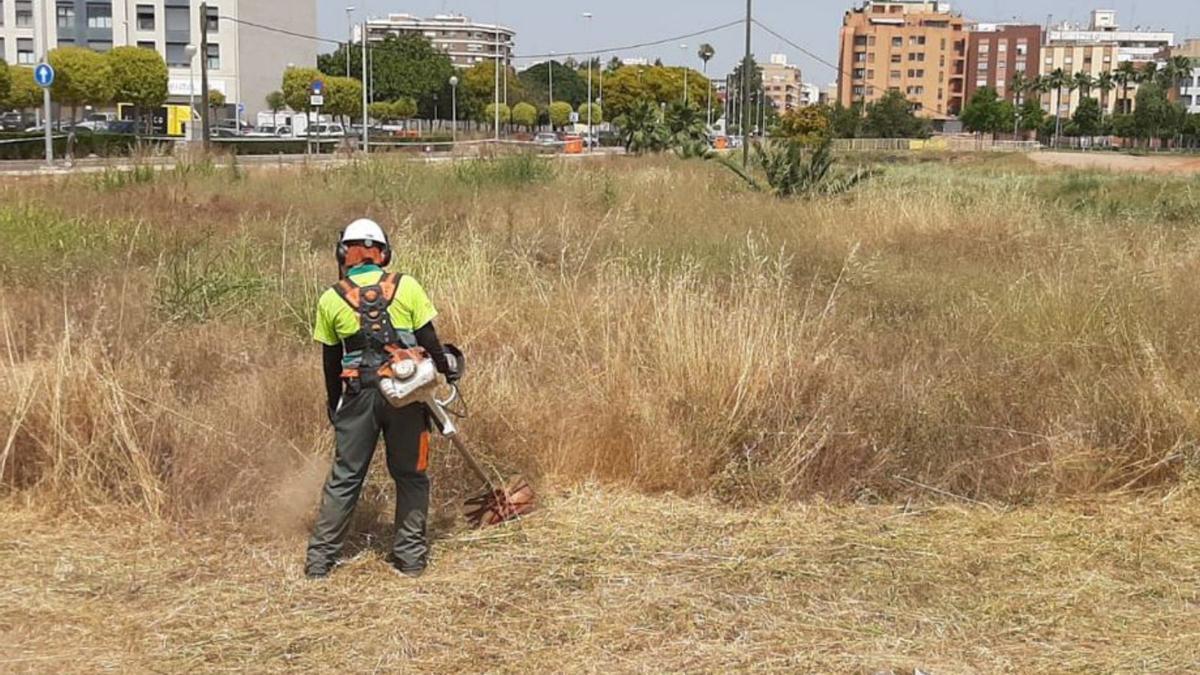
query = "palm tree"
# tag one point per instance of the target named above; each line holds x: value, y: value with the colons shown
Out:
x: 1126, y: 75
x: 1057, y: 81
x: 1182, y: 67
x: 706, y: 52
x: 1105, y: 83
x: 1019, y: 85
x: 1084, y: 83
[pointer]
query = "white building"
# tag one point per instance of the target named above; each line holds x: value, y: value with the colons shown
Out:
x: 464, y: 41
x: 1132, y: 45
x: 245, y: 62
x: 1189, y: 92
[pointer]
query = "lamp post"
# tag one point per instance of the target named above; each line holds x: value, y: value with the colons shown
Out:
x: 454, y: 108
x: 588, y: 17
x: 349, y: 36
x: 190, y: 52
x: 683, y: 48
x: 550, y: 72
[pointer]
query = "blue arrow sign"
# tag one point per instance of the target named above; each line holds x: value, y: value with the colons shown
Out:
x: 43, y: 75
x: 318, y: 86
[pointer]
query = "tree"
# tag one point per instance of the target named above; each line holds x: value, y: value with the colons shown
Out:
x: 807, y: 126
x: 82, y: 77
x: 1057, y: 81
x: 275, y: 101
x: 1084, y: 82
x: 845, y: 122
x: 489, y: 113
x: 1105, y: 83
x: 614, y: 64
x: 1088, y: 118
x: 631, y: 85
x: 642, y: 129
x: 983, y: 114
x: 791, y: 170
x: 1155, y: 116
x: 391, y: 111
x: 597, y: 113
x: 1032, y: 115
x: 568, y: 85
x: 5, y: 81
x: 343, y: 97
x: 560, y: 114
x: 477, y: 89
x: 525, y: 115
x: 297, y: 86
x: 216, y: 99
x: 24, y: 92
x: 139, y: 76
x: 1125, y: 75
x: 892, y: 117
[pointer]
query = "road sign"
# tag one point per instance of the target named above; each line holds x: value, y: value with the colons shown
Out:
x: 318, y: 87
x: 316, y: 100
x: 574, y: 118
x: 241, y: 108
x: 43, y: 75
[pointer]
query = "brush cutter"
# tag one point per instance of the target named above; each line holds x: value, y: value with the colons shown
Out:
x: 413, y: 379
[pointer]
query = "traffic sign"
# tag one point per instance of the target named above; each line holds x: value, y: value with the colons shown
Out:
x: 43, y: 75
x: 316, y: 100
x: 318, y: 87
x: 574, y: 118
x: 241, y: 108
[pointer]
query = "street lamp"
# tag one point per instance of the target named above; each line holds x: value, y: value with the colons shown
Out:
x: 588, y: 17
x: 349, y: 36
x: 190, y: 52
x: 683, y: 48
x: 550, y: 71
x: 454, y: 108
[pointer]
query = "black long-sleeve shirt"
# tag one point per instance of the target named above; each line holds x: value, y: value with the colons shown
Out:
x: 331, y: 358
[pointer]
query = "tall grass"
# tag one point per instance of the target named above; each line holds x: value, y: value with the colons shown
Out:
x: 980, y: 329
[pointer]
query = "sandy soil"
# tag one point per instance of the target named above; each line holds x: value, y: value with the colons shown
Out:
x: 1111, y: 161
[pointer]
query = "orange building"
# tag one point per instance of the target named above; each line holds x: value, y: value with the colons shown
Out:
x: 916, y: 47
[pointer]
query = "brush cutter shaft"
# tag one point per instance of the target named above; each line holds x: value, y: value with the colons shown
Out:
x: 449, y: 430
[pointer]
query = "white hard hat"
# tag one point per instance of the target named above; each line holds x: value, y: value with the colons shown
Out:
x: 364, y: 230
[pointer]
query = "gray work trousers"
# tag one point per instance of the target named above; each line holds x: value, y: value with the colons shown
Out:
x: 358, y: 425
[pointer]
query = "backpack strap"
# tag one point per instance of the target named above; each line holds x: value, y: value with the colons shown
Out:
x: 347, y: 290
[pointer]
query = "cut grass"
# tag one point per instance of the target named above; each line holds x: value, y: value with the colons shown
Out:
x: 611, y: 581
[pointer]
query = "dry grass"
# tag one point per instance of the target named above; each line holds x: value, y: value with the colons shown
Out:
x: 616, y: 582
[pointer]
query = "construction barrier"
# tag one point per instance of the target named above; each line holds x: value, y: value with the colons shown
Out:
x: 573, y: 145
x: 937, y: 143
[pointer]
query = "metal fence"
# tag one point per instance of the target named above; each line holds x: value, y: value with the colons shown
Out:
x: 948, y: 144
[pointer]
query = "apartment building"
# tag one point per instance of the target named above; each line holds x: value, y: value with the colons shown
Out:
x: 997, y: 52
x: 783, y: 84
x: 1099, y: 47
x: 916, y: 47
x: 245, y: 63
x: 1189, y: 91
x: 466, y: 42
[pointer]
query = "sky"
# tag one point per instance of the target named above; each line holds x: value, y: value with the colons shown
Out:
x: 557, y: 26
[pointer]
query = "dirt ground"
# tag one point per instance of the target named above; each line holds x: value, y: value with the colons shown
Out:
x: 1111, y: 161
x: 616, y: 582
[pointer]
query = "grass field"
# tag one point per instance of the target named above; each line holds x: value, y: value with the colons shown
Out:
x: 948, y: 421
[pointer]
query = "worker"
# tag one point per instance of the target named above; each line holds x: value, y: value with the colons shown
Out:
x: 367, y: 311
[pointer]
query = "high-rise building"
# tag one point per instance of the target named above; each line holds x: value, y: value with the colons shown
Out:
x: 464, y: 41
x: 783, y: 84
x: 915, y: 47
x: 1099, y: 47
x: 1189, y: 90
x: 245, y: 62
x: 997, y: 52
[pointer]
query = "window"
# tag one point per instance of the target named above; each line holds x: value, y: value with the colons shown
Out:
x: 1002, y: 46
x: 859, y: 73
x: 100, y: 45
x: 860, y: 41
x: 25, y: 51
x: 860, y: 57
x: 145, y: 17
x: 177, y: 20
x: 870, y: 40
x: 915, y: 91
x: 177, y: 55
x: 65, y: 13
x: 858, y: 91
x: 984, y: 47
x: 24, y: 14
x: 148, y: 44
x: 895, y: 75
x: 213, y: 18
x: 897, y: 58
x: 214, y: 57
x: 870, y: 76
x: 1, y: 19
x: 916, y: 56
x: 916, y: 40
x: 99, y: 16
x: 1022, y: 47
x: 897, y: 42
x: 915, y: 73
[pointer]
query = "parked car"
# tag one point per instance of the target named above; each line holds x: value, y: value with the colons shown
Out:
x: 12, y: 121
x: 127, y: 127
x: 547, y: 139
x: 331, y: 130
x: 267, y: 131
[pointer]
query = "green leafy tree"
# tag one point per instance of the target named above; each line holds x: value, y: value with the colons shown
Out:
x: 82, y: 77
x: 568, y: 85
x: 24, y: 92
x: 597, y: 113
x: 982, y: 114
x: 5, y: 82
x: 275, y: 101
x: 1155, y: 116
x: 808, y: 125
x: 139, y: 76
x: 215, y: 98
x: 560, y: 114
x: 489, y: 113
x: 297, y: 86
x: 642, y: 129
x: 631, y: 85
x: 525, y: 115
x: 343, y: 97
x: 1057, y: 81
x: 892, y: 117
x: 685, y: 125
x: 1125, y: 75
x: 1088, y: 118
x: 392, y: 111
x: 846, y: 122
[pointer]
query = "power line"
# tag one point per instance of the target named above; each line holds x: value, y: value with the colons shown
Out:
x: 281, y: 31
x: 807, y: 53
x: 626, y: 48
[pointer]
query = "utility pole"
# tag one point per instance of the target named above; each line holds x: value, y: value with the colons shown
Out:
x: 496, y: 62
x: 366, y: 97
x: 745, y: 123
x: 204, y: 107
x: 349, y: 36
x: 49, y: 136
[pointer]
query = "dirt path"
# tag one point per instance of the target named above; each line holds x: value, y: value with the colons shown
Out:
x: 619, y: 582
x: 1111, y: 161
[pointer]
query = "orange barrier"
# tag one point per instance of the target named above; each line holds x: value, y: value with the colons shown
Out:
x: 721, y: 143
x: 573, y: 145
